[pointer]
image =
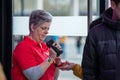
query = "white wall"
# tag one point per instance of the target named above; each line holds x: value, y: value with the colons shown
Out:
x: 69, y: 26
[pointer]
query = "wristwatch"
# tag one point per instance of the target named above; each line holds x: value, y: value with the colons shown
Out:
x: 50, y: 60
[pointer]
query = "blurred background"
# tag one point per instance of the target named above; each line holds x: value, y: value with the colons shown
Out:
x: 71, y: 19
x: 72, y: 43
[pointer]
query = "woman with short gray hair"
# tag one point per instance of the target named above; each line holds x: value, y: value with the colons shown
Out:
x: 32, y: 58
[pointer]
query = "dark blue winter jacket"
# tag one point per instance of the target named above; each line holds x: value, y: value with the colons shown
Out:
x: 102, y: 45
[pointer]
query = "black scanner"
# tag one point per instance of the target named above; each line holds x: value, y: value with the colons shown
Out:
x: 49, y: 44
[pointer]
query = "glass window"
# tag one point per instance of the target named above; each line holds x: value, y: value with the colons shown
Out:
x: 58, y: 7
x: 69, y: 25
x: 17, y: 7
x: 23, y: 7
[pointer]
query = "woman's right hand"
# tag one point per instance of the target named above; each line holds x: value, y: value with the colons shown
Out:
x: 52, y: 54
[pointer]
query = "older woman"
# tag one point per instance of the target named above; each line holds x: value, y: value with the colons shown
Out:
x: 32, y: 59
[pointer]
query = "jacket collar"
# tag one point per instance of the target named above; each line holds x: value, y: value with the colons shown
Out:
x: 107, y: 19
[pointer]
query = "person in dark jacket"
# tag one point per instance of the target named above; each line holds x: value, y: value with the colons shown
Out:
x: 95, y: 22
x: 102, y: 45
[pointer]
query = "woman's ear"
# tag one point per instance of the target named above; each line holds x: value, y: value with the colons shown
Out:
x: 113, y: 5
x: 32, y: 28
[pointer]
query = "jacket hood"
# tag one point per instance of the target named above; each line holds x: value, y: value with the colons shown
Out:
x: 107, y: 19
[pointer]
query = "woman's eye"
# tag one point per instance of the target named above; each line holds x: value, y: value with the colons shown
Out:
x: 44, y: 28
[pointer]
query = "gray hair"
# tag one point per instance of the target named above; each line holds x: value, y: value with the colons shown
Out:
x: 38, y: 17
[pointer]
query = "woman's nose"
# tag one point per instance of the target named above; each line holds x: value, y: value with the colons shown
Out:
x: 46, y: 32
